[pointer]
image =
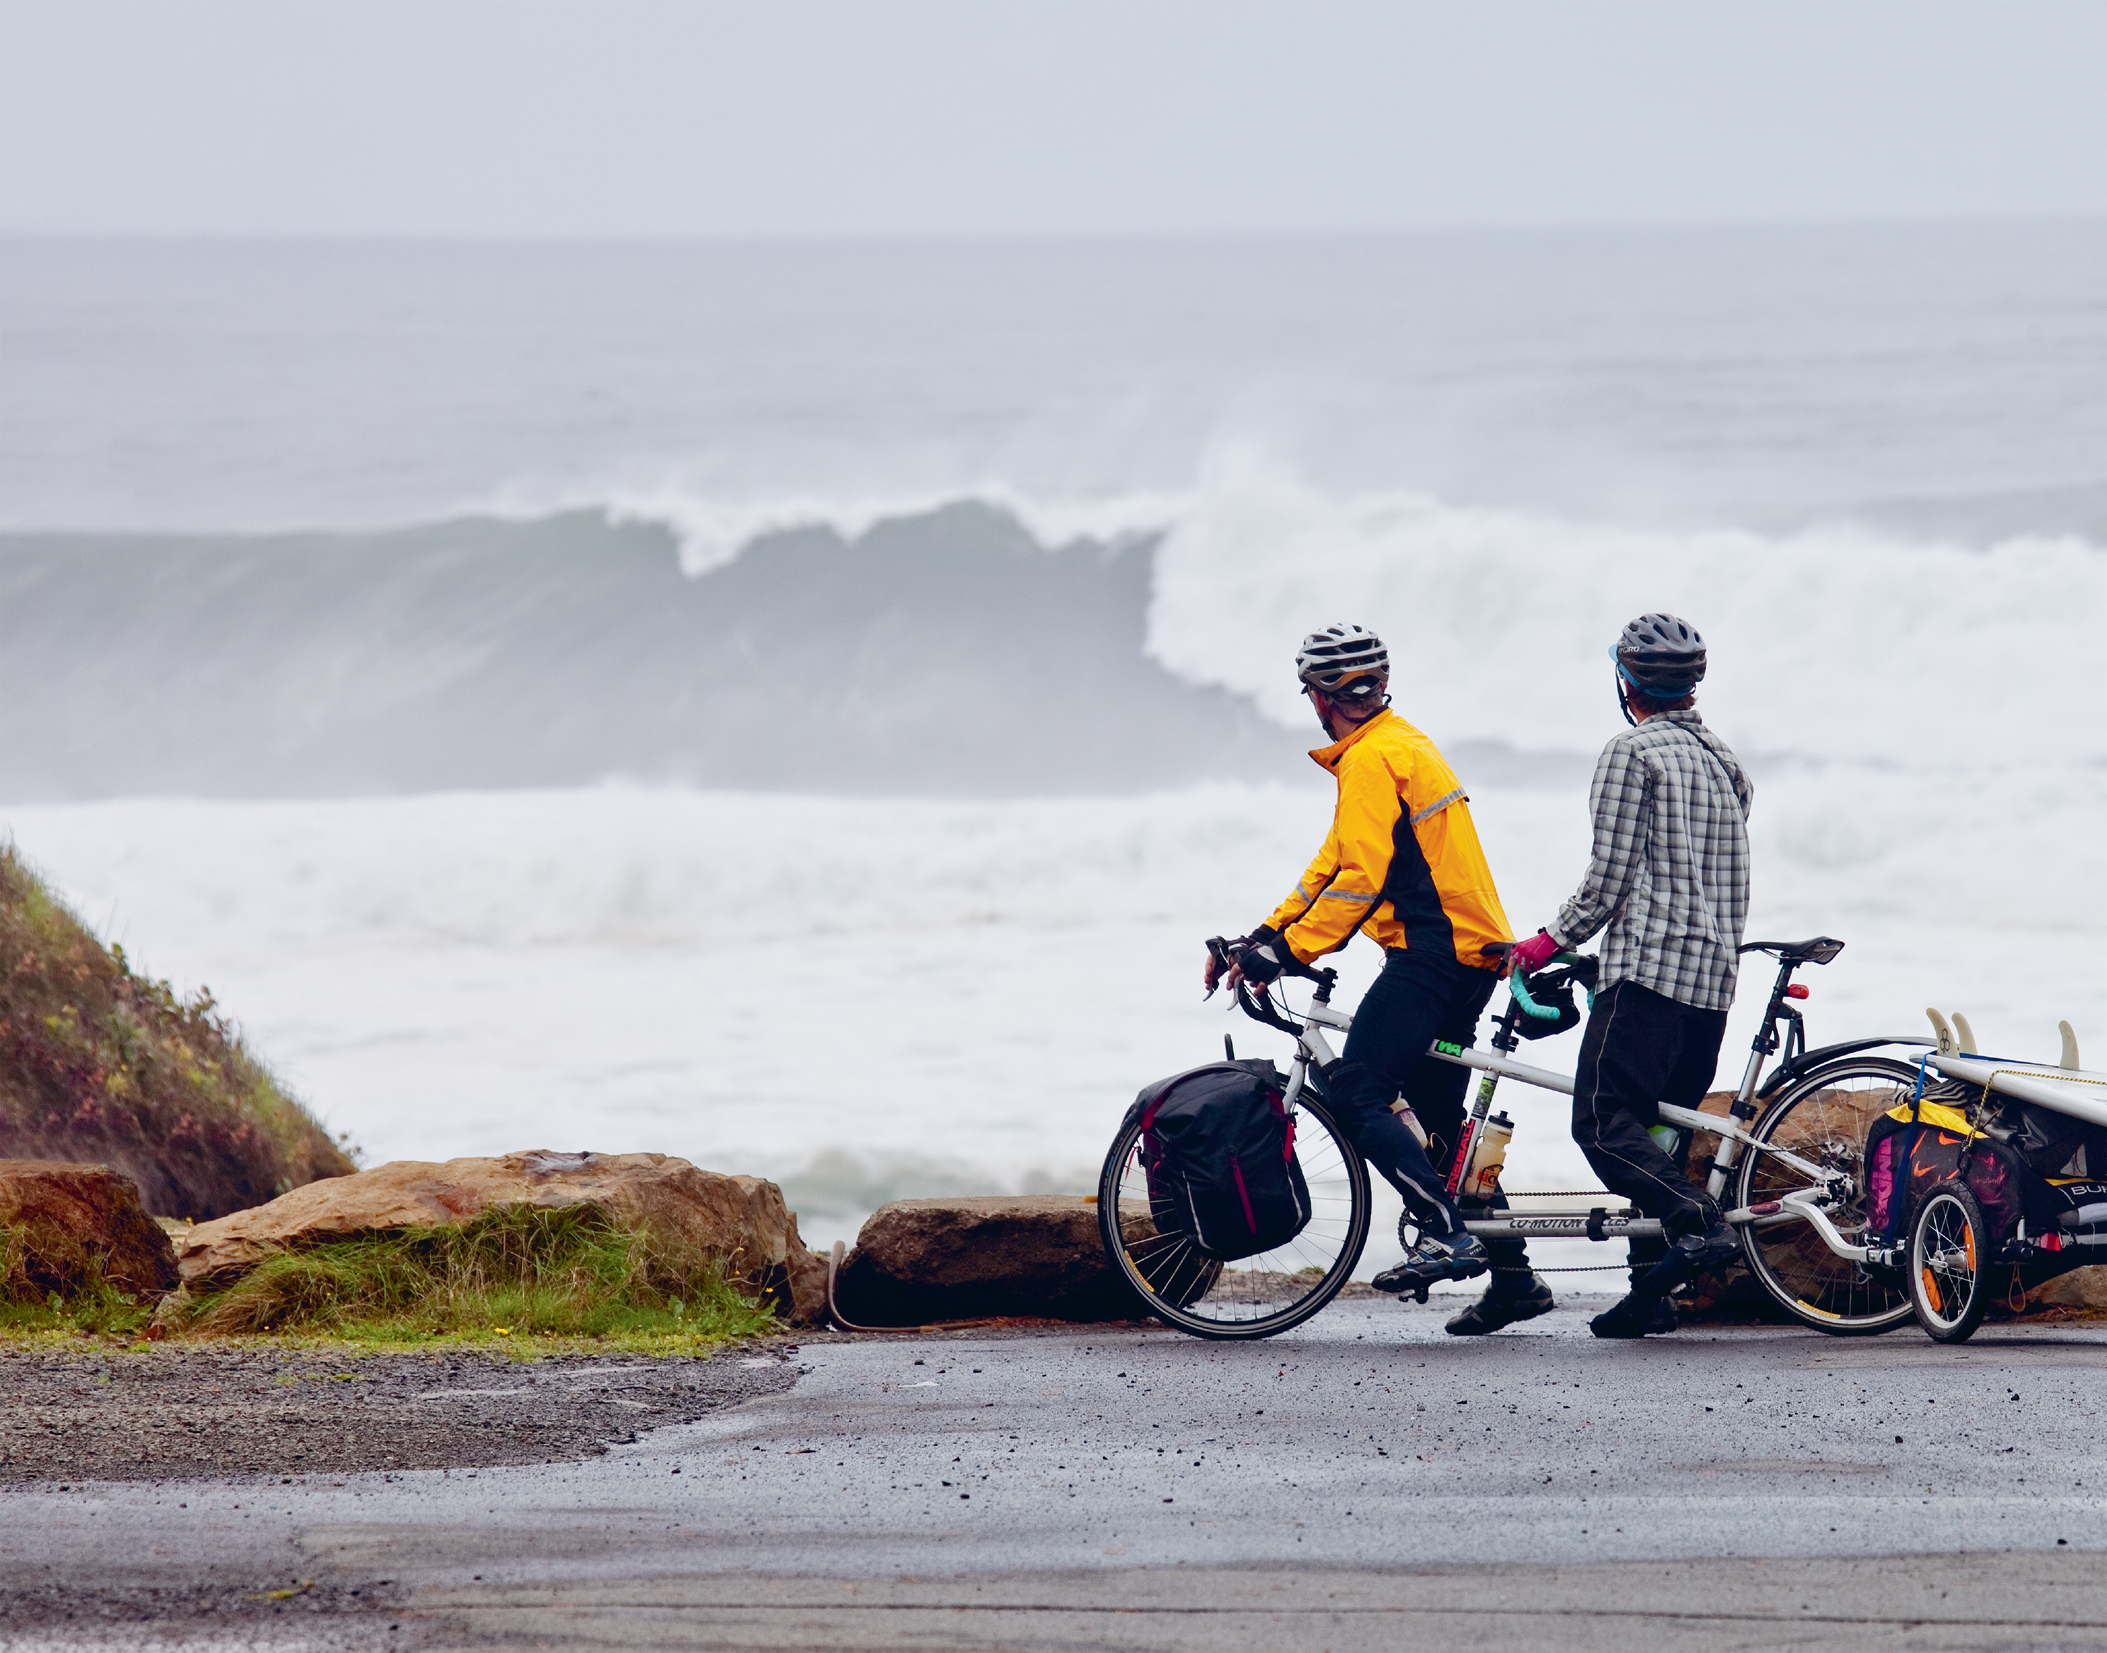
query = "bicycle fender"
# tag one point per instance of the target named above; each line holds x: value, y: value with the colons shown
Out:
x: 1786, y: 1072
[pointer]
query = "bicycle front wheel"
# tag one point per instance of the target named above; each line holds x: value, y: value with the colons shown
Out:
x: 1822, y: 1120
x: 1253, y: 1296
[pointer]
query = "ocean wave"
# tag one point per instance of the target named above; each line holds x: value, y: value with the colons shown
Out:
x: 1837, y: 642
x: 1843, y: 639
x: 991, y: 644
x: 713, y: 533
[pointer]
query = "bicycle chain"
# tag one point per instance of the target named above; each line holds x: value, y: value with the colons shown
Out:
x: 1586, y: 1268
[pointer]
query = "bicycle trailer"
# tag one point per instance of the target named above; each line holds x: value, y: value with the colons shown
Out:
x: 1989, y: 1178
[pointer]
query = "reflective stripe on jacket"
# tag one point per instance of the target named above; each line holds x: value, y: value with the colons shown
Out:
x: 1402, y: 863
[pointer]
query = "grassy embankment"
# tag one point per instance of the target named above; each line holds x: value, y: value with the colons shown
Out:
x: 523, y: 1279
x: 516, y: 1272
x: 101, y: 1064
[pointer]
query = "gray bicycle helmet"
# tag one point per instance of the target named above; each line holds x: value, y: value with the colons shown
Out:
x: 1343, y: 662
x: 1661, y: 656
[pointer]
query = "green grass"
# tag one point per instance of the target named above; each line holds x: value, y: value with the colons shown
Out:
x: 522, y: 1273
x: 88, y: 1304
x: 96, y: 1312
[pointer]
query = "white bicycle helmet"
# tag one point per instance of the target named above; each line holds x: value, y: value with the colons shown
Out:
x: 1344, y: 662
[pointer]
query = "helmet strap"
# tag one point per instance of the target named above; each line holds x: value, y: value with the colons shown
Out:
x: 1623, y: 700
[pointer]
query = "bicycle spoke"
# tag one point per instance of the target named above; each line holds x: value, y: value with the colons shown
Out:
x: 1812, y: 1140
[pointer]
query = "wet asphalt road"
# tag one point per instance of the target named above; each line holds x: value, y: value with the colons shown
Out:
x: 1366, y: 1481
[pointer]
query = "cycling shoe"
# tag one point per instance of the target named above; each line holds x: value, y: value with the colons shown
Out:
x: 1502, y: 1305
x: 1431, y: 1259
x: 1640, y: 1315
x: 1716, y: 1247
x: 1692, y: 1255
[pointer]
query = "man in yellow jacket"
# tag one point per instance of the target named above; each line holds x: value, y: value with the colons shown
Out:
x: 1403, y: 866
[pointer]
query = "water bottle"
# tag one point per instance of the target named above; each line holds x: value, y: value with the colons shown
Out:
x: 1488, y: 1158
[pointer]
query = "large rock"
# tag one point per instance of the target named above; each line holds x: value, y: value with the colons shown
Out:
x: 918, y: 1261
x: 741, y: 1220
x: 62, y: 1226
x: 2081, y: 1288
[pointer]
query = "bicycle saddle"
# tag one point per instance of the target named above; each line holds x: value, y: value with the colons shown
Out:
x: 1817, y: 950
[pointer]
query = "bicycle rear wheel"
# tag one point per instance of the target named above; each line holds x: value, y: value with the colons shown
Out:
x: 1823, y: 1118
x: 1253, y: 1296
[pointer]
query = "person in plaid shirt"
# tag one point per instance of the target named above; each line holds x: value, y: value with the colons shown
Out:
x: 1668, y: 885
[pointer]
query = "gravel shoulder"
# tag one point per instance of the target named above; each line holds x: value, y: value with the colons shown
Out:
x: 184, y: 1412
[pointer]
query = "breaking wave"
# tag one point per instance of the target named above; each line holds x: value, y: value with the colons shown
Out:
x: 983, y: 645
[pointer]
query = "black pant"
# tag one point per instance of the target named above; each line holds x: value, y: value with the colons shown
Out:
x: 1642, y: 1049
x: 1420, y: 996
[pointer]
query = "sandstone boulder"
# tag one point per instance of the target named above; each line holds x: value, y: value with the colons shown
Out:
x: 2081, y: 1288
x: 918, y: 1261
x: 62, y: 1226
x: 741, y: 1220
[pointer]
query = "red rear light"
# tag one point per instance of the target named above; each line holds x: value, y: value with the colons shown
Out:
x: 1796, y: 991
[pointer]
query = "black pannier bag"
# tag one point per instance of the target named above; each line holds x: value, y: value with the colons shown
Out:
x: 1218, y: 1148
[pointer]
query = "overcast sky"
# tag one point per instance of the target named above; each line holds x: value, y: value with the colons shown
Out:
x: 681, y: 118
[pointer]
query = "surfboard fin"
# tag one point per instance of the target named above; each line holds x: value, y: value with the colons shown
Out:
x: 1964, y: 1033
x: 2070, y: 1047
x: 1947, y: 1046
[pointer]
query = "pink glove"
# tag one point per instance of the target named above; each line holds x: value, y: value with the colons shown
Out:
x: 1532, y: 955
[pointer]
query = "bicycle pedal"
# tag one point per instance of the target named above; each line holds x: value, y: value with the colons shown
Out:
x: 1420, y: 1296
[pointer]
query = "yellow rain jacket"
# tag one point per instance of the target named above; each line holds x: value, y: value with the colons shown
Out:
x: 1402, y: 863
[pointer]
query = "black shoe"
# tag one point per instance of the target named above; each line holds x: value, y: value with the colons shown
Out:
x: 1503, y: 1305
x: 1692, y: 1255
x: 1716, y: 1247
x: 1640, y: 1315
x: 1433, y: 1259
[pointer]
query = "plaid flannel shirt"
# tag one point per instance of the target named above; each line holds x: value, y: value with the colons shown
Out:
x: 1670, y: 871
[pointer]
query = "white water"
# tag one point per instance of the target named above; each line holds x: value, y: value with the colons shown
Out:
x: 951, y: 996
x: 1835, y: 642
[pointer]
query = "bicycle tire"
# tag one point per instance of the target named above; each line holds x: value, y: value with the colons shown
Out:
x: 1829, y: 1111
x: 1949, y: 1264
x: 1256, y: 1296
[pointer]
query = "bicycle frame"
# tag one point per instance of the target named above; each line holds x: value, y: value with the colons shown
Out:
x: 1600, y: 1222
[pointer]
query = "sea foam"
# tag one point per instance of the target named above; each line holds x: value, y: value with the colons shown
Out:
x: 949, y: 994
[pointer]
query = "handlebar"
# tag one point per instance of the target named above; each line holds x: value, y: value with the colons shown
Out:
x: 1259, y: 1006
x: 1579, y: 967
x: 1518, y: 985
